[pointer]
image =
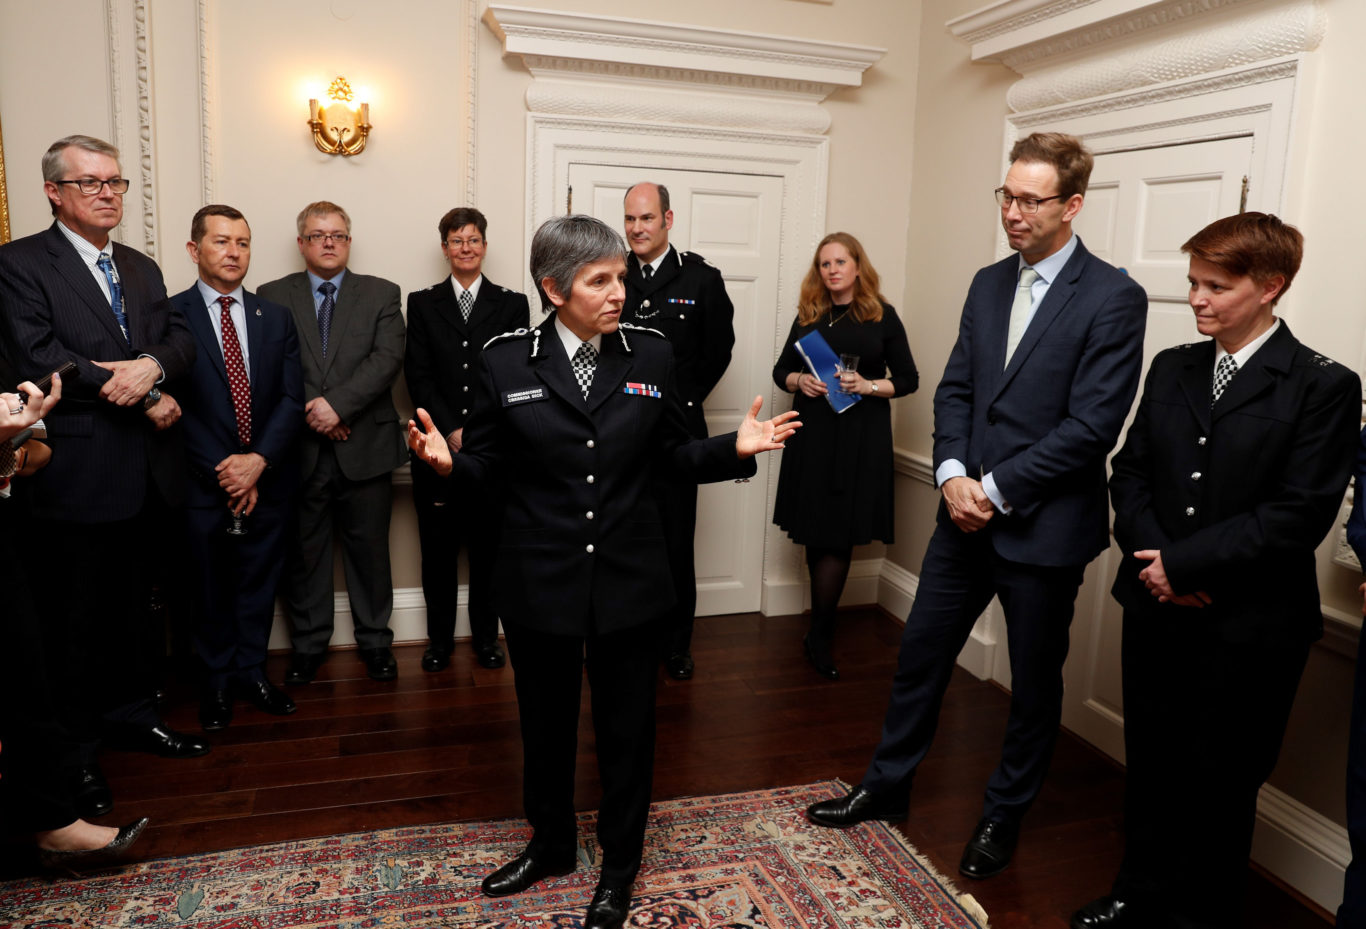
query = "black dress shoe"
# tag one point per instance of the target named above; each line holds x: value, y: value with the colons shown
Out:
x: 159, y: 740
x: 608, y: 910
x: 266, y: 697
x: 857, y: 806
x: 92, y: 798
x: 303, y: 667
x: 490, y: 656
x: 1107, y: 912
x: 215, y: 710
x: 436, y: 658
x: 823, y: 664
x: 86, y: 859
x: 523, y: 871
x: 379, y: 664
x: 989, y: 849
x: 680, y: 666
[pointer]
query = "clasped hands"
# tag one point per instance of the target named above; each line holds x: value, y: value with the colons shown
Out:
x: 131, y: 382
x: 237, y: 475
x: 322, y: 419
x: 1154, y: 577
x: 969, y: 506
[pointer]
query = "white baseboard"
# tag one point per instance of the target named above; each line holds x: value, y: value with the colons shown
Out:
x: 1301, y: 847
x: 409, y: 619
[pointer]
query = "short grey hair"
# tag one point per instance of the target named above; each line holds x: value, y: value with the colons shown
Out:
x: 54, y: 161
x: 564, y: 245
x: 319, y: 209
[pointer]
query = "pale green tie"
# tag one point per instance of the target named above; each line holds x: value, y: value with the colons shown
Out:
x: 1019, y: 311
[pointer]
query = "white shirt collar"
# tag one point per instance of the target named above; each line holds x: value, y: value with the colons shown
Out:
x: 1050, y: 267
x: 656, y: 263
x: 89, y: 253
x: 572, y: 342
x: 210, y: 296
x: 1243, y: 355
x: 473, y: 288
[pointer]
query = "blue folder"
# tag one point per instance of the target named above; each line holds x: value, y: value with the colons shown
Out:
x: 822, y: 361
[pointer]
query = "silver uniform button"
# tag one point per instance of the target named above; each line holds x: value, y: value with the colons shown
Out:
x: 1190, y: 511
x: 589, y: 514
x: 591, y: 444
x: 1200, y: 441
x: 1195, y: 475
x: 464, y: 367
x: 645, y: 304
x: 682, y: 316
x: 464, y: 412
x: 590, y: 548
x: 590, y: 478
x: 464, y: 345
x: 689, y: 403
x: 465, y: 389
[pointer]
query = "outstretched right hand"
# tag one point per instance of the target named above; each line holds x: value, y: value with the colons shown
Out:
x: 429, y: 444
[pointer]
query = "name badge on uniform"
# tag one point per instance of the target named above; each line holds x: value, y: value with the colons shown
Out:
x: 642, y: 390
x: 525, y: 395
x: 681, y: 300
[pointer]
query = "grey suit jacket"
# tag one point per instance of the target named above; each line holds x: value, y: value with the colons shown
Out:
x: 364, y: 357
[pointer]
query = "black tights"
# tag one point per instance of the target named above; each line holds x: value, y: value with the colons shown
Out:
x: 829, y: 568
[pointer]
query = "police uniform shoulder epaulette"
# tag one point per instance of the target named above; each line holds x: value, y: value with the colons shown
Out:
x: 635, y: 328
x: 696, y: 259
x: 505, y: 336
x: 1315, y: 360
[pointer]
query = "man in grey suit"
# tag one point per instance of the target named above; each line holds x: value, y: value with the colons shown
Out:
x: 351, y: 329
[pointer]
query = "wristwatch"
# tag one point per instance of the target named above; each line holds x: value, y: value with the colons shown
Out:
x: 874, y: 383
x: 152, y: 399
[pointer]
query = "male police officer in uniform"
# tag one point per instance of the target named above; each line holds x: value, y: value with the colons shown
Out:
x: 684, y: 297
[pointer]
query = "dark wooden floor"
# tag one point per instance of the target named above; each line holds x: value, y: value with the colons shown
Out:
x: 440, y: 747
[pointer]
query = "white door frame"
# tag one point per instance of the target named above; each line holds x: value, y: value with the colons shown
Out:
x: 801, y: 160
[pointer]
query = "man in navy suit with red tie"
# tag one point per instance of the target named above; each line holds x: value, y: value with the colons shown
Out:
x: 243, y: 406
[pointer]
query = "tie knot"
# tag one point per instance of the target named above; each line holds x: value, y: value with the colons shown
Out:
x: 1028, y: 276
x: 1228, y: 363
x: 586, y: 353
x: 327, y: 288
x: 104, y: 262
x: 226, y: 303
x: 648, y: 270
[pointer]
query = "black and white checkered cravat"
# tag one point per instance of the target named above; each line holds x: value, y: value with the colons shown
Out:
x: 466, y: 304
x: 1223, y: 373
x: 584, y: 364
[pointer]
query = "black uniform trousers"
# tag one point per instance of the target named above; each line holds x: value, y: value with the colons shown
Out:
x: 447, y: 517
x: 960, y: 575
x: 1203, y: 724
x: 548, y: 670
x: 677, y: 501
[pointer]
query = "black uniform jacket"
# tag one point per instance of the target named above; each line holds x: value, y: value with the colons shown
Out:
x: 1237, y: 497
x: 441, y: 360
x: 686, y: 300
x: 582, y: 550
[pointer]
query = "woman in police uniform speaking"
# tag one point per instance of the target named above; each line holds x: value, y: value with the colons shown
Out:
x: 575, y: 417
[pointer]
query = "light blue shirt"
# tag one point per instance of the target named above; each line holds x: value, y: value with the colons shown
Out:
x: 238, y: 313
x: 315, y: 282
x: 1048, y: 270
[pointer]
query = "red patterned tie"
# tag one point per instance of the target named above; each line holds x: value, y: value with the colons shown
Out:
x: 237, y: 374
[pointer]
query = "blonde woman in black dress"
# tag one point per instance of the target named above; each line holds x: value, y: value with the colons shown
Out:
x: 835, y: 482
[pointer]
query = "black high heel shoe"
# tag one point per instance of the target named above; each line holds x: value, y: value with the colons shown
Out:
x: 824, y: 666
x: 90, y: 858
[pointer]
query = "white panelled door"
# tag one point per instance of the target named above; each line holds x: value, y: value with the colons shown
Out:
x: 733, y: 221
x: 1141, y: 206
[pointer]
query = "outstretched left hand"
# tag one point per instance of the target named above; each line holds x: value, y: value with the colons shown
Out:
x: 754, y: 437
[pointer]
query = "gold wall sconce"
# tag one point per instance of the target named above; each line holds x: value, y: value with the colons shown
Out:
x: 339, y: 125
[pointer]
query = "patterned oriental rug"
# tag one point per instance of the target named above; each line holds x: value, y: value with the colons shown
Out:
x: 743, y: 861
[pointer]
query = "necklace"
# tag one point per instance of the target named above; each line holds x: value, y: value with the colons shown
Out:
x: 835, y: 319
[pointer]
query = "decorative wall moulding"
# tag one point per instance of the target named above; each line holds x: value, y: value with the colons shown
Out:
x: 1026, y: 35
x: 594, y: 45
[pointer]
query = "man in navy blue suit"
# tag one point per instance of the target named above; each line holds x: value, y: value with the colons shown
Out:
x: 243, y: 407
x: 1032, y: 400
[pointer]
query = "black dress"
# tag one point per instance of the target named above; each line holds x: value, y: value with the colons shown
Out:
x: 835, y: 481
